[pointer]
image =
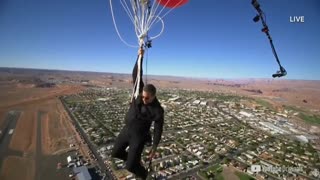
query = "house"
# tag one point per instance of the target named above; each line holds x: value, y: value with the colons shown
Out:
x: 69, y: 159
x: 203, y: 103
x: 196, y: 102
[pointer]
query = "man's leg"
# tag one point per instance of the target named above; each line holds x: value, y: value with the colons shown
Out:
x: 120, y: 145
x: 148, y: 139
x: 134, y: 158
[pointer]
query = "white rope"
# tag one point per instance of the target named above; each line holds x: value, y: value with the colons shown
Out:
x: 166, y: 12
x: 147, y: 18
x: 158, y: 14
x: 136, y: 85
x: 116, y: 27
x: 139, y: 19
x: 127, y: 9
x: 153, y: 10
x: 136, y: 20
x: 133, y: 19
x: 146, y: 60
x: 148, y: 13
x: 143, y: 18
x: 138, y: 79
x: 172, y: 8
x: 162, y: 29
x: 135, y: 10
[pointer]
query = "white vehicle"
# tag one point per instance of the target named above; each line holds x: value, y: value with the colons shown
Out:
x: 11, y: 131
x: 71, y: 165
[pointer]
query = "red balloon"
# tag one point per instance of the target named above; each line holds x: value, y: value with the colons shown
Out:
x: 172, y: 3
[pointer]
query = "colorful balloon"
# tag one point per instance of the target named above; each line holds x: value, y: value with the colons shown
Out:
x: 172, y: 3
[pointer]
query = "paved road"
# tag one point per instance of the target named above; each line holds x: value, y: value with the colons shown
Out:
x: 184, y: 174
x: 11, y: 120
x: 90, y: 144
x: 38, y: 155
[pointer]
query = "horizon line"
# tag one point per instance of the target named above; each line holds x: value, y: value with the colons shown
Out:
x: 172, y: 76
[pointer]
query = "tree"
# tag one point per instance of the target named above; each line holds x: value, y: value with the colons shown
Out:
x: 226, y: 160
x: 221, y: 156
x: 184, y: 158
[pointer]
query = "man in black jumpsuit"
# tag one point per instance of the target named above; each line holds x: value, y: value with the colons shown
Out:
x: 143, y: 110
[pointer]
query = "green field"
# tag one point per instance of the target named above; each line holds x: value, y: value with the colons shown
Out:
x: 313, y: 119
x: 226, y: 97
x: 293, y: 108
x: 243, y: 176
x: 216, y: 170
x: 264, y: 103
x: 304, y: 115
x: 217, y: 177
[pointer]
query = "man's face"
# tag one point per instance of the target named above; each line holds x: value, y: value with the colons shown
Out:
x: 147, y: 97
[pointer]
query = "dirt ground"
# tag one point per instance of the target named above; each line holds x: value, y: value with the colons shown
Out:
x: 17, y: 168
x: 56, y: 131
x: 15, y: 95
x: 45, y: 139
x: 56, y: 128
x: 24, y: 135
x: 228, y: 173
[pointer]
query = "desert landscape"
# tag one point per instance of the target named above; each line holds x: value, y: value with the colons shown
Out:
x: 43, y: 129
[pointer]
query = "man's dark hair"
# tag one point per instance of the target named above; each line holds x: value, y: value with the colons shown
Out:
x: 150, y: 89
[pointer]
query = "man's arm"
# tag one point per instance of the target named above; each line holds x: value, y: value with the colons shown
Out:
x: 158, y: 128
x: 135, y: 72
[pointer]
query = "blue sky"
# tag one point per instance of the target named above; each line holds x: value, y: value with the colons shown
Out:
x: 207, y: 38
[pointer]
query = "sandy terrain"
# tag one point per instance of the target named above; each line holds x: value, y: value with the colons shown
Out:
x: 24, y: 136
x: 45, y: 139
x: 290, y: 92
x: 17, y: 96
x: 30, y: 100
x: 280, y: 91
x: 305, y: 94
x: 23, y: 169
x: 56, y: 131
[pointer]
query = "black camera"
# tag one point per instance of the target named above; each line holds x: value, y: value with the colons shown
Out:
x: 280, y: 73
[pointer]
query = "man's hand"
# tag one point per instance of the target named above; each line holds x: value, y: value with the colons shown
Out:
x: 152, y: 153
x: 141, y: 51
